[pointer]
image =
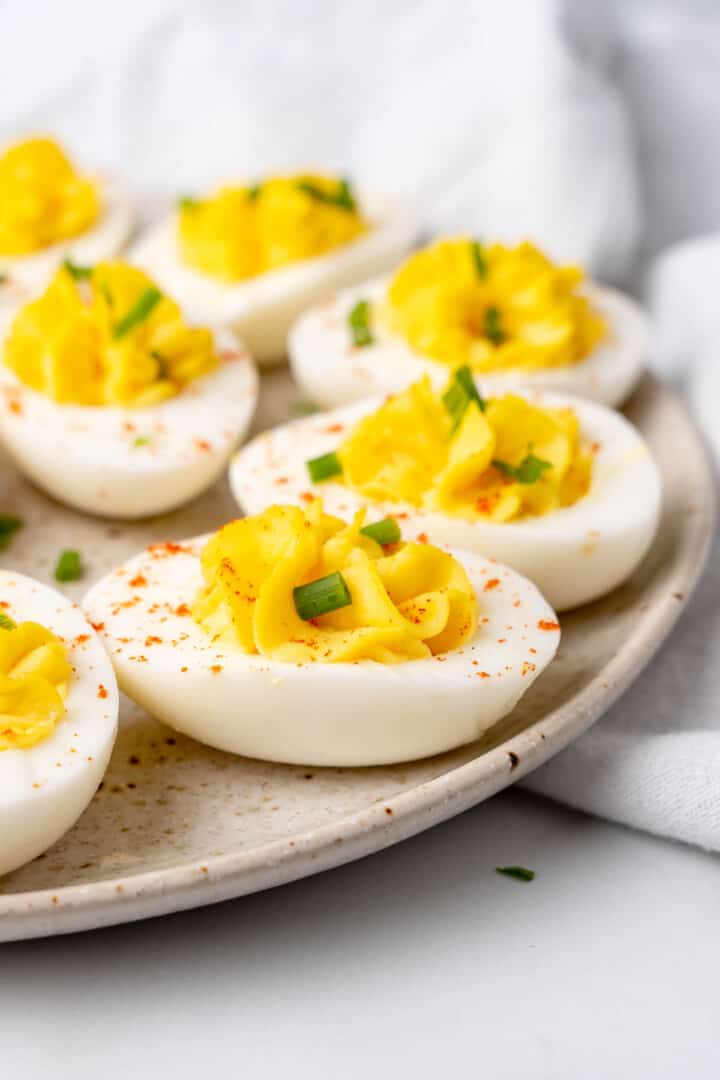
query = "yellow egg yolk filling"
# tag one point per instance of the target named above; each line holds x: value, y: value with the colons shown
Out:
x: 43, y: 200
x: 507, y: 461
x: 34, y: 676
x: 244, y: 231
x: 106, y: 336
x: 408, y: 601
x: 491, y: 308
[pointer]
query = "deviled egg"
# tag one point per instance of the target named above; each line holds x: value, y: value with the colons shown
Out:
x: 58, y: 717
x: 111, y: 402
x: 254, y: 257
x: 562, y: 489
x: 49, y: 212
x: 295, y: 637
x: 509, y: 314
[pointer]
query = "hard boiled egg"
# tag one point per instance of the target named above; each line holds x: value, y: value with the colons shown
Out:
x: 49, y: 212
x: 254, y: 257
x: 58, y: 717
x: 508, y: 313
x: 295, y: 637
x: 112, y: 403
x: 561, y: 489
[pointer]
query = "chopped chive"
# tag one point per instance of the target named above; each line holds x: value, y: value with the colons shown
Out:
x: 383, y: 532
x: 9, y: 525
x: 301, y: 407
x: 323, y: 467
x: 529, y: 471
x: 359, y: 323
x: 459, y: 394
x: 321, y: 596
x: 141, y: 440
x: 493, y: 328
x: 478, y: 256
x: 137, y: 314
x: 69, y: 566
x: 187, y: 202
x: 253, y: 191
x: 6, y: 622
x: 78, y: 273
x: 163, y: 371
x: 519, y: 873
x: 343, y: 197
x: 105, y: 290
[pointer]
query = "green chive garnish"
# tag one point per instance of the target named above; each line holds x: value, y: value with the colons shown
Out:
x: 141, y: 440
x: 383, y: 532
x: 359, y: 323
x: 529, y: 471
x: 493, y: 329
x: 342, y: 197
x: 478, y: 256
x: 6, y: 622
x: 9, y: 525
x: 323, y: 467
x: 163, y: 371
x: 78, y: 273
x: 459, y: 394
x: 519, y: 873
x: 187, y: 202
x: 301, y: 407
x: 69, y: 566
x: 253, y: 191
x: 318, y: 597
x: 137, y: 314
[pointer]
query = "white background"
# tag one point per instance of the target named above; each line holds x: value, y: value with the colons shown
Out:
x: 420, y: 960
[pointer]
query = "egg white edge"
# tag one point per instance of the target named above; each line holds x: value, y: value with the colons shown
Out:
x: 332, y: 371
x: 289, y: 714
x: 45, y: 788
x: 86, y: 439
x: 277, y: 295
x: 574, y: 554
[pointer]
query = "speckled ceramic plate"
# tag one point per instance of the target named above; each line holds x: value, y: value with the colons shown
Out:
x: 176, y: 825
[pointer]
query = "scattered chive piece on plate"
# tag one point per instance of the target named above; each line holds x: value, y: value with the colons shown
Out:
x: 383, y: 532
x: 138, y: 313
x: 142, y: 440
x: 69, y: 566
x: 323, y: 467
x: 321, y: 596
x: 78, y: 273
x: 9, y: 525
x: 529, y: 471
x: 478, y: 257
x: 493, y: 327
x: 518, y: 873
x: 359, y: 323
x: 6, y: 622
x: 187, y: 202
x: 301, y: 407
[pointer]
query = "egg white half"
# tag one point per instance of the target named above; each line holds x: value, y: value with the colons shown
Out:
x: 27, y: 275
x: 332, y: 371
x: 365, y: 713
x: 45, y: 789
x: 573, y: 555
x: 262, y: 309
x: 130, y: 463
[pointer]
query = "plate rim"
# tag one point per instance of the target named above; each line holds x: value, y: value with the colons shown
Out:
x: 201, y: 881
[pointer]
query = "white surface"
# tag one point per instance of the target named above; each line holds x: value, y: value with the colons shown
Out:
x: 418, y: 962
